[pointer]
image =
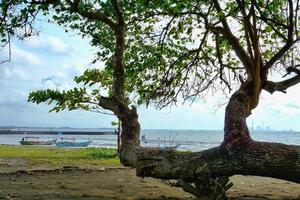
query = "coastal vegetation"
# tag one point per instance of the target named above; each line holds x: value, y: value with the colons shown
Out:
x: 104, y: 24
x: 166, y: 52
x: 241, y: 48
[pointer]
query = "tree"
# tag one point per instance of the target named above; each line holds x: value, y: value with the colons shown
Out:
x: 204, y: 43
x: 16, y: 24
x: 184, y: 48
x: 104, y: 24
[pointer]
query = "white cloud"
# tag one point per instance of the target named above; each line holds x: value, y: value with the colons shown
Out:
x: 56, y: 44
x: 14, y: 72
x: 281, y: 102
x: 56, y: 83
x: 195, y: 107
x: 19, y: 72
x: 48, y: 42
x: 23, y: 56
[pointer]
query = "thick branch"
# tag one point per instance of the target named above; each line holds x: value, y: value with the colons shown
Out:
x: 43, y: 2
x: 108, y: 103
x: 234, y: 42
x: 74, y: 7
x: 118, y: 12
x: 262, y: 159
x: 95, y: 15
x: 281, y: 86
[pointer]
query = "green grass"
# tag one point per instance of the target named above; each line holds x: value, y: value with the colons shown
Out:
x: 61, y: 156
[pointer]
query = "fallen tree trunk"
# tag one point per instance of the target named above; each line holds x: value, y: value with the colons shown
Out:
x: 238, y: 153
x: 260, y: 159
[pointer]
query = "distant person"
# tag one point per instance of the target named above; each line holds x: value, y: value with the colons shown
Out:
x: 143, y: 138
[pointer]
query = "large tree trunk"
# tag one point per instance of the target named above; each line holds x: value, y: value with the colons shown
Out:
x: 261, y: 159
x: 236, y: 133
x: 238, y: 153
x: 130, y: 137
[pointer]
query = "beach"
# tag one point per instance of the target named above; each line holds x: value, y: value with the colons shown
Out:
x: 121, y: 183
x: 82, y: 177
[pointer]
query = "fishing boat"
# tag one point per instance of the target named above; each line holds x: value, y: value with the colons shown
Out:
x: 35, y: 141
x: 164, y: 147
x: 170, y: 147
x: 71, y: 143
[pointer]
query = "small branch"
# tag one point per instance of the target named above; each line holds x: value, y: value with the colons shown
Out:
x: 290, y: 40
x: 9, y: 51
x: 92, y: 15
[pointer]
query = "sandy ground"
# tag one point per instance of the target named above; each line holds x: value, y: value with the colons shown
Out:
x: 18, y: 182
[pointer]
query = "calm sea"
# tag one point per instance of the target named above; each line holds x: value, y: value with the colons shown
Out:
x: 193, y: 140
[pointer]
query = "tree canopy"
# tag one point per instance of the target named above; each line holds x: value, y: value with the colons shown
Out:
x: 200, y: 44
x: 164, y: 51
x: 104, y: 24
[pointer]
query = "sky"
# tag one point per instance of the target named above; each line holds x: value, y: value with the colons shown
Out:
x: 52, y: 59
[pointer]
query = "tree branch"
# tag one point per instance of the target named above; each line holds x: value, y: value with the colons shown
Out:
x: 263, y: 159
x: 108, y: 103
x: 118, y: 12
x: 290, y: 40
x: 74, y: 7
x: 234, y: 42
x: 94, y: 15
x: 282, y: 86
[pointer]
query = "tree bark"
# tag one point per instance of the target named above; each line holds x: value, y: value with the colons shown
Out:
x: 130, y: 137
x: 236, y: 133
x: 238, y: 153
x: 261, y: 159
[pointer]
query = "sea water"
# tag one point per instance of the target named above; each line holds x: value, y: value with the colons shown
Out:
x: 192, y: 140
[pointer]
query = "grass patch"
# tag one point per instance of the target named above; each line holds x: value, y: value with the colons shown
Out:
x: 102, y: 153
x: 61, y: 156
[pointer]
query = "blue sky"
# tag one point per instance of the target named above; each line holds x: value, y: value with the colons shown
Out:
x: 52, y: 59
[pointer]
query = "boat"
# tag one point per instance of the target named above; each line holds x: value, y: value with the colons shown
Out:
x: 170, y: 147
x: 35, y: 141
x: 71, y: 143
x: 165, y: 147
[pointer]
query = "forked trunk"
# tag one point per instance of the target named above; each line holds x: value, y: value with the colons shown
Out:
x: 130, y: 137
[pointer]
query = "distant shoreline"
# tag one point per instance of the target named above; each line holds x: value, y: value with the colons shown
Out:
x: 11, y: 132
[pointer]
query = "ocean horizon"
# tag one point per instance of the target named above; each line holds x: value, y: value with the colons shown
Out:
x: 187, y: 139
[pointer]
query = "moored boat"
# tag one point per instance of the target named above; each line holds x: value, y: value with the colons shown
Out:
x: 72, y: 143
x: 164, y: 147
x: 35, y: 141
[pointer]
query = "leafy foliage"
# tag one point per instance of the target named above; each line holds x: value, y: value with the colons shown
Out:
x: 192, y: 47
x: 174, y: 50
x: 71, y: 99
